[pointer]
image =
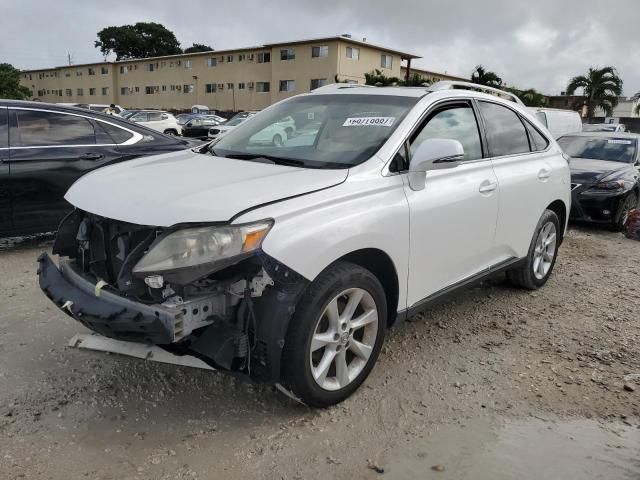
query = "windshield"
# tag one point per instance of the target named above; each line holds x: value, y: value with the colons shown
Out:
x: 600, y: 148
x: 233, y: 122
x: 330, y: 131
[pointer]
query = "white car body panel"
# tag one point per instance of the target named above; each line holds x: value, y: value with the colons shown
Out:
x: 163, y: 190
x: 558, y: 122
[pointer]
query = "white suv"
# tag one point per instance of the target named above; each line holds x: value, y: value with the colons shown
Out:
x: 157, y: 120
x: 288, y: 262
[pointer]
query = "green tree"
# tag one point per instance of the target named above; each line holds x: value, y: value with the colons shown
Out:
x: 10, y: 83
x: 378, y: 79
x: 530, y: 97
x: 198, y: 47
x: 482, y: 77
x: 601, y: 88
x: 416, y: 80
x: 142, y: 40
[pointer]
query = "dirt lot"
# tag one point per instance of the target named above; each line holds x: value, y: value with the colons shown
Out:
x: 500, y: 383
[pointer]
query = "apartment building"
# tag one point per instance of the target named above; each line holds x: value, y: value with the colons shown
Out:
x: 238, y: 79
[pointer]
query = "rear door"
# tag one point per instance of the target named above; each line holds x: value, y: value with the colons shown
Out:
x: 527, y: 175
x: 49, y: 150
x: 5, y: 185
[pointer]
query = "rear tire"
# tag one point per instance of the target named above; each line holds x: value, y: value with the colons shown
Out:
x: 628, y: 204
x: 335, y: 335
x: 170, y: 132
x: 542, y: 255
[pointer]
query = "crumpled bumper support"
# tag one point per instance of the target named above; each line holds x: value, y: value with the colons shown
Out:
x: 107, y: 314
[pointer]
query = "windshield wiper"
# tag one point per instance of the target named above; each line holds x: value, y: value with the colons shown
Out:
x: 292, y: 162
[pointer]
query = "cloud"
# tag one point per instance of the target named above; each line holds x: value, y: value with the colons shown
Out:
x: 539, y: 44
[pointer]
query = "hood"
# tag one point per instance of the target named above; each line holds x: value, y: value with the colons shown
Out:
x: 586, y: 170
x: 185, y: 186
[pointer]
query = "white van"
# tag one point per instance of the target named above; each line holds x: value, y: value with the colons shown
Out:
x: 558, y: 122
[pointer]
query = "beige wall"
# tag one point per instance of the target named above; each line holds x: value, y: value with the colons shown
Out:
x: 170, y: 74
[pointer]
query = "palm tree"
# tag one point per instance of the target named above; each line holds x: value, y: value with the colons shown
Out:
x: 601, y: 88
x: 482, y: 77
x: 532, y: 98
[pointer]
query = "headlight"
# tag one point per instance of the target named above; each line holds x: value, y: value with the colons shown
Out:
x: 614, y: 185
x: 201, y: 245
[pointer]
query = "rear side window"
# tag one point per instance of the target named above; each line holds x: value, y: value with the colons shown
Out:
x: 155, y: 117
x: 505, y: 132
x: 4, y: 128
x: 38, y: 128
x: 538, y: 141
x: 456, y: 123
x: 117, y: 134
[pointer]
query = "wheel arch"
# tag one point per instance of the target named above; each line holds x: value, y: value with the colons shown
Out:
x: 560, y: 209
x: 380, y: 264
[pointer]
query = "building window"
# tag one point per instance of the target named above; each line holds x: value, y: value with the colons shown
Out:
x: 318, y: 82
x: 105, y: 91
x: 67, y: 92
x: 66, y: 74
x: 80, y: 92
x: 164, y: 88
x: 188, y: 64
x: 212, y: 62
x: 386, y: 61
x: 137, y: 89
x: 78, y: 73
x: 241, y: 57
x: 229, y: 86
x: 150, y: 67
x: 187, y: 88
x: 321, y: 51
x: 92, y: 91
x: 287, y: 54
x: 91, y: 71
x: 124, y: 91
x: 353, y: 53
x: 229, y: 58
x: 104, y: 70
x: 210, y: 88
x: 172, y: 88
x: 241, y: 86
x: 264, y: 57
x: 263, y: 86
x: 287, y: 85
x: 150, y: 90
x: 124, y: 69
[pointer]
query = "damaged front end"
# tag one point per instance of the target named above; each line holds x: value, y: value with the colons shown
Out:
x: 207, y: 290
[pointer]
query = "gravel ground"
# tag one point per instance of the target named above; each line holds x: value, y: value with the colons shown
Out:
x: 491, y: 385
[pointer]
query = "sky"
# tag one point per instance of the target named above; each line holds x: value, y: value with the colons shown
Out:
x: 537, y: 44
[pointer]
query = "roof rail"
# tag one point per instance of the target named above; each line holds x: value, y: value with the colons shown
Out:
x: 340, y: 86
x: 450, y: 85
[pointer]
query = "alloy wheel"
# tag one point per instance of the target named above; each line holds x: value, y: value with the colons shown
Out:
x: 343, y: 339
x: 545, y: 250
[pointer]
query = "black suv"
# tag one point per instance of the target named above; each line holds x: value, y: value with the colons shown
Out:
x: 44, y: 148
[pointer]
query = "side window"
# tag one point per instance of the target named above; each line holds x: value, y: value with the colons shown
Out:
x: 140, y: 117
x: 400, y: 162
x: 4, y: 128
x: 155, y: 117
x: 505, y: 132
x: 456, y: 123
x: 538, y: 141
x: 118, y: 135
x: 37, y: 128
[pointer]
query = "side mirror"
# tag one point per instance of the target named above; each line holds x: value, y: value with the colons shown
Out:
x: 433, y: 154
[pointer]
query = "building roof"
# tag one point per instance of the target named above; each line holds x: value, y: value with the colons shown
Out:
x: 404, y: 55
x: 431, y: 72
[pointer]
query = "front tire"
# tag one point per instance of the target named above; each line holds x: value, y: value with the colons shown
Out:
x: 335, y: 336
x: 628, y: 204
x: 171, y: 132
x: 542, y: 255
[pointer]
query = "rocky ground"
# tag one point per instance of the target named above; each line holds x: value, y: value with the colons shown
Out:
x: 499, y: 383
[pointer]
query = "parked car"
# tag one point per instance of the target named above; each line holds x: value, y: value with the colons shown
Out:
x: 288, y: 264
x: 198, y: 126
x: 233, y: 122
x: 44, y: 148
x: 158, y: 120
x: 96, y: 107
x: 558, y: 122
x: 604, y: 176
x: 604, y: 127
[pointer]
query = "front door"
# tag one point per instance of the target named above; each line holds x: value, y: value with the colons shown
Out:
x: 48, y: 152
x: 453, y: 219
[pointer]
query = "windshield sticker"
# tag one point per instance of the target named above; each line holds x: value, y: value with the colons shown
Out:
x: 369, y: 122
x: 621, y: 142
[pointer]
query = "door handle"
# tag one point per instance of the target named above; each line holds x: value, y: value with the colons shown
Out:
x: 487, y: 186
x: 91, y: 156
x: 544, y: 174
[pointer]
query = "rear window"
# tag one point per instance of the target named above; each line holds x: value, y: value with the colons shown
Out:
x: 39, y: 128
x: 600, y: 148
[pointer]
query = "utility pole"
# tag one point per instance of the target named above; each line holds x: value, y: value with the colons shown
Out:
x: 69, y: 58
